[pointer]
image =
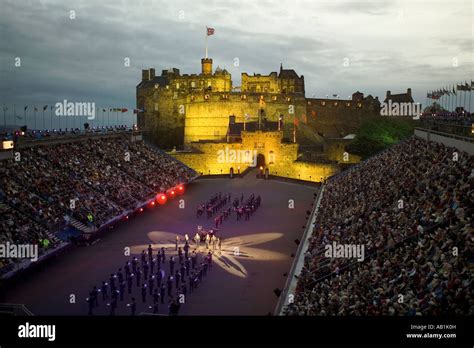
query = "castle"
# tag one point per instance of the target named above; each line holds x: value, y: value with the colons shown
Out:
x: 204, y: 113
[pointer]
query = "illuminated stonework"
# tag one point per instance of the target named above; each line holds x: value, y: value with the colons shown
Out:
x: 194, y: 112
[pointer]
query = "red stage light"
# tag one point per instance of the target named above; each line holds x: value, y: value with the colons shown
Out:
x: 141, y: 209
x: 180, y: 189
x: 152, y: 203
x: 162, y: 199
x: 126, y: 217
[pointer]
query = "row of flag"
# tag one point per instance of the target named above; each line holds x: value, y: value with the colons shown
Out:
x: 450, y: 91
x: 122, y: 110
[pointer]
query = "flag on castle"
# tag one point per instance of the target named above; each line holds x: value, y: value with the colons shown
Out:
x: 45, y: 107
x: 136, y: 111
x: 210, y: 31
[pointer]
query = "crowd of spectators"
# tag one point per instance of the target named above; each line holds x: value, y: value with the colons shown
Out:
x: 92, y: 181
x: 411, y: 208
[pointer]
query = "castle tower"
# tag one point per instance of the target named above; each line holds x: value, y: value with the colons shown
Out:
x: 206, y: 64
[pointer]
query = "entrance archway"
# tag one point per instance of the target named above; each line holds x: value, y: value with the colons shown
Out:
x: 260, y: 160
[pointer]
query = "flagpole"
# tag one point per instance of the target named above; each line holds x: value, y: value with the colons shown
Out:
x: 451, y: 104
x: 14, y: 115
x: 206, y: 42
x: 470, y: 94
x: 464, y: 104
x: 5, y: 118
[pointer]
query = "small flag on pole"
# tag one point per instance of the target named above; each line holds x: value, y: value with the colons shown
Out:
x: 210, y: 31
x: 45, y: 107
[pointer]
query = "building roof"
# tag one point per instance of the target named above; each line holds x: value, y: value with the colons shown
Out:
x: 399, y: 98
x: 162, y: 81
x: 287, y: 73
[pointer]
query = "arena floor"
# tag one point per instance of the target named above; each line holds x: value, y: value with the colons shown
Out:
x: 236, y: 285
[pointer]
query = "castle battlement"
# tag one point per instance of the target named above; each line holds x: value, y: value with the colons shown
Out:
x: 180, y: 109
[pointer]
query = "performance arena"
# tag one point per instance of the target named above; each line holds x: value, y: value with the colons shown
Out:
x: 113, y: 198
x: 141, y: 233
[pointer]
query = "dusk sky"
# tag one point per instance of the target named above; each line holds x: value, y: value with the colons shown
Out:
x: 388, y: 45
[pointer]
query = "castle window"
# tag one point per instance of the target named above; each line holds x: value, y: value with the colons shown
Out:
x: 156, y: 106
x: 288, y: 99
x: 348, y: 105
x: 243, y: 97
x: 323, y: 103
x: 274, y: 98
x: 335, y: 103
x: 156, y: 86
x: 271, y: 157
x: 225, y: 96
x: 177, y: 85
x: 309, y: 102
x: 193, y: 84
x: 359, y: 105
x: 206, y: 97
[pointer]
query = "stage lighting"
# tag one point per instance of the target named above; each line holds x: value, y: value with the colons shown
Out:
x: 162, y: 198
x: 140, y: 210
x: 180, y: 189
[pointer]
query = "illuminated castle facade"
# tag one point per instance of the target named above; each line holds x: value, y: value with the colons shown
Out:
x: 200, y: 113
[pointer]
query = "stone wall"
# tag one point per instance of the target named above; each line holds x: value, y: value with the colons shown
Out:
x: 280, y: 158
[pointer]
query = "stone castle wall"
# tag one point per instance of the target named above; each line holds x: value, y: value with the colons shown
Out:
x: 280, y: 158
x: 207, y: 115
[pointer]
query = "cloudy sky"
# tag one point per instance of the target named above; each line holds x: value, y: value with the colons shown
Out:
x: 339, y: 46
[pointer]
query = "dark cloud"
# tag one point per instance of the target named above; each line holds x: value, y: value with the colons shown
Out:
x: 83, y: 59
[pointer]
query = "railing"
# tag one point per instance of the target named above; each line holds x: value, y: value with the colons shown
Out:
x: 453, y: 129
x: 469, y: 139
x: 13, y: 309
x: 299, y: 256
